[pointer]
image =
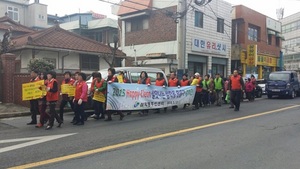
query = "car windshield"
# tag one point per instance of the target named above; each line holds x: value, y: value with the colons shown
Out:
x: 279, y: 76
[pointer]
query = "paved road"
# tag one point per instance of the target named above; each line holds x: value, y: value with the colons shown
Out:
x: 269, y: 141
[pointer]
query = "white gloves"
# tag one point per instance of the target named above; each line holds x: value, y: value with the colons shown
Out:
x: 178, y: 86
x: 48, y: 88
x: 109, y: 82
x: 79, y: 101
x: 164, y: 86
x: 148, y: 84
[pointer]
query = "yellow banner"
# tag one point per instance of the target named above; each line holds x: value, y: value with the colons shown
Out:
x: 33, y: 90
x: 252, y: 55
x: 68, y: 89
x: 243, y: 57
x: 99, y: 96
x: 266, y: 61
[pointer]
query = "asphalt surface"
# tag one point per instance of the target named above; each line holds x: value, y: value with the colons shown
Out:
x: 269, y: 141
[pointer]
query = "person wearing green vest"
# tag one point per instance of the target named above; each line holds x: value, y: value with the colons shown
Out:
x: 219, y: 87
x: 205, y: 89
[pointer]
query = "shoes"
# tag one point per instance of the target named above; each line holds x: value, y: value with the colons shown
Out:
x: 59, y: 124
x: 231, y: 107
x: 108, y: 119
x: 129, y: 113
x: 102, y: 117
x: 96, y: 117
x: 39, y: 125
x: 93, y: 116
x: 165, y: 110
x: 195, y: 108
x: 122, y: 116
x: 48, y: 128
x: 236, y: 109
x: 32, y: 123
x: 80, y: 123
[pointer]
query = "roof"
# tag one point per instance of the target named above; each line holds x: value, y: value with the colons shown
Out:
x: 7, y: 23
x: 56, y: 38
x: 131, y: 6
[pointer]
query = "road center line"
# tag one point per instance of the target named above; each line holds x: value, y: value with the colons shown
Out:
x: 142, y: 140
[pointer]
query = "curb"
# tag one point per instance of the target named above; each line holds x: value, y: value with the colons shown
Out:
x: 14, y: 114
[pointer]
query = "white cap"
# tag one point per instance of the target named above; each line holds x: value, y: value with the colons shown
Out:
x: 197, y: 74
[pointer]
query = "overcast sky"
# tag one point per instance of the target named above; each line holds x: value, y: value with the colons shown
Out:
x: 267, y: 7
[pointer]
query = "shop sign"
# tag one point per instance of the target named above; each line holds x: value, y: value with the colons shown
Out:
x: 252, y: 55
x: 208, y: 46
x: 267, y: 61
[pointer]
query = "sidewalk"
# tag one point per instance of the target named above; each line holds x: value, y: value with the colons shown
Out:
x: 8, y: 110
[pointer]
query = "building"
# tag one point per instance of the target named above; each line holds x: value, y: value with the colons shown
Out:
x: 16, y: 29
x: 256, y: 42
x: 154, y: 35
x: 32, y: 15
x: 66, y: 50
x: 291, y: 44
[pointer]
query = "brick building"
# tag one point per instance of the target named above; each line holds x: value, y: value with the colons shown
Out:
x: 252, y: 28
x: 151, y: 32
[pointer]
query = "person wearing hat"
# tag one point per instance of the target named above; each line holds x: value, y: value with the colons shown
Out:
x: 34, y: 103
x: 219, y: 88
x: 197, y: 81
x: 52, y: 98
x: 184, y: 82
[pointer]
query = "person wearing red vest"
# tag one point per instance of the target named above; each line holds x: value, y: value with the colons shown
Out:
x: 160, y: 81
x: 184, y: 82
x: 80, y: 99
x: 65, y: 98
x: 52, y: 98
x: 236, y: 86
x: 34, y: 104
x: 173, y: 82
x: 99, y: 95
x: 112, y: 78
x: 144, y: 79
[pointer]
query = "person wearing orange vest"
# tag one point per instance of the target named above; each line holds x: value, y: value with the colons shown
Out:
x: 144, y: 79
x: 173, y: 82
x: 197, y: 81
x: 236, y: 86
x: 80, y: 99
x: 99, y: 95
x: 52, y: 98
x: 184, y: 82
x: 160, y: 81
x: 65, y: 98
x: 34, y: 104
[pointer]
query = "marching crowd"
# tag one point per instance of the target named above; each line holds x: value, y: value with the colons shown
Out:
x: 209, y: 91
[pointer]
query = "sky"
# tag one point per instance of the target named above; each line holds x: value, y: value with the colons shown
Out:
x: 266, y: 7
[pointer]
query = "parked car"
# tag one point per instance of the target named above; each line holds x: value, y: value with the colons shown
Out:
x: 283, y: 83
x: 262, y: 84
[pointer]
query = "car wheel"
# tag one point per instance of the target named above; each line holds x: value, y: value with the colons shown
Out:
x: 270, y: 96
x: 259, y: 94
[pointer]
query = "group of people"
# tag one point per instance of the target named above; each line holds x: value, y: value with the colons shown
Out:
x: 209, y: 91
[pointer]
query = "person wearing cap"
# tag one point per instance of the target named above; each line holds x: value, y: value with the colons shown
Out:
x: 52, y: 98
x: 197, y: 81
x: 184, y: 82
x: 34, y: 103
x: 65, y: 97
x: 219, y: 88
x: 236, y: 86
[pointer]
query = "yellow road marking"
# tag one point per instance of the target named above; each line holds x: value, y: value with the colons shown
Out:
x: 147, y: 139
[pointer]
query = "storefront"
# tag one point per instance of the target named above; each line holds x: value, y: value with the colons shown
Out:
x: 197, y: 63
x: 219, y: 65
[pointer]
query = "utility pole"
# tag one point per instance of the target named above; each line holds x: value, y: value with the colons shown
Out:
x: 181, y: 35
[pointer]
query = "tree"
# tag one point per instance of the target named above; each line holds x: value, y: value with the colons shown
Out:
x: 5, y: 44
x: 40, y: 65
x: 111, y: 59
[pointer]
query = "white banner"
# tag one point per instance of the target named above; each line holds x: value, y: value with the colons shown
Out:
x: 139, y: 96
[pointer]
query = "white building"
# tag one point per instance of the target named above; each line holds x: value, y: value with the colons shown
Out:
x: 291, y: 44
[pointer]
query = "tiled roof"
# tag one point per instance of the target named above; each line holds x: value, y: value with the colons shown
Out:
x: 130, y: 6
x: 7, y: 23
x: 58, y: 38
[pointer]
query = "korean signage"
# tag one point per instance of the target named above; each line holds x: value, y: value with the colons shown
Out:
x: 208, y: 46
x: 243, y: 57
x: 138, y: 96
x: 33, y: 90
x: 252, y: 55
x: 267, y: 60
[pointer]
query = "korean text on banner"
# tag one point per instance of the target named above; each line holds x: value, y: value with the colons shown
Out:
x: 68, y: 89
x: 252, y: 55
x: 33, y: 90
x: 139, y: 96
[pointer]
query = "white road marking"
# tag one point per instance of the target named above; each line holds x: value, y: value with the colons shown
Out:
x: 35, y: 140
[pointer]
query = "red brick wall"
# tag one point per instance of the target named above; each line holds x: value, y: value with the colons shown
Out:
x: 162, y: 28
x: 250, y: 16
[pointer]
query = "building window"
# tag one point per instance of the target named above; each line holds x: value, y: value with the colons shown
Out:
x: 199, y: 19
x: 253, y: 33
x: 278, y: 41
x: 13, y: 13
x: 89, y: 62
x: 41, y: 17
x: 99, y: 37
x: 51, y: 60
x: 269, y: 39
x: 137, y: 24
x: 220, y: 25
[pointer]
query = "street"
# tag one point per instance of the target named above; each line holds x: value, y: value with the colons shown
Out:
x: 263, y: 134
